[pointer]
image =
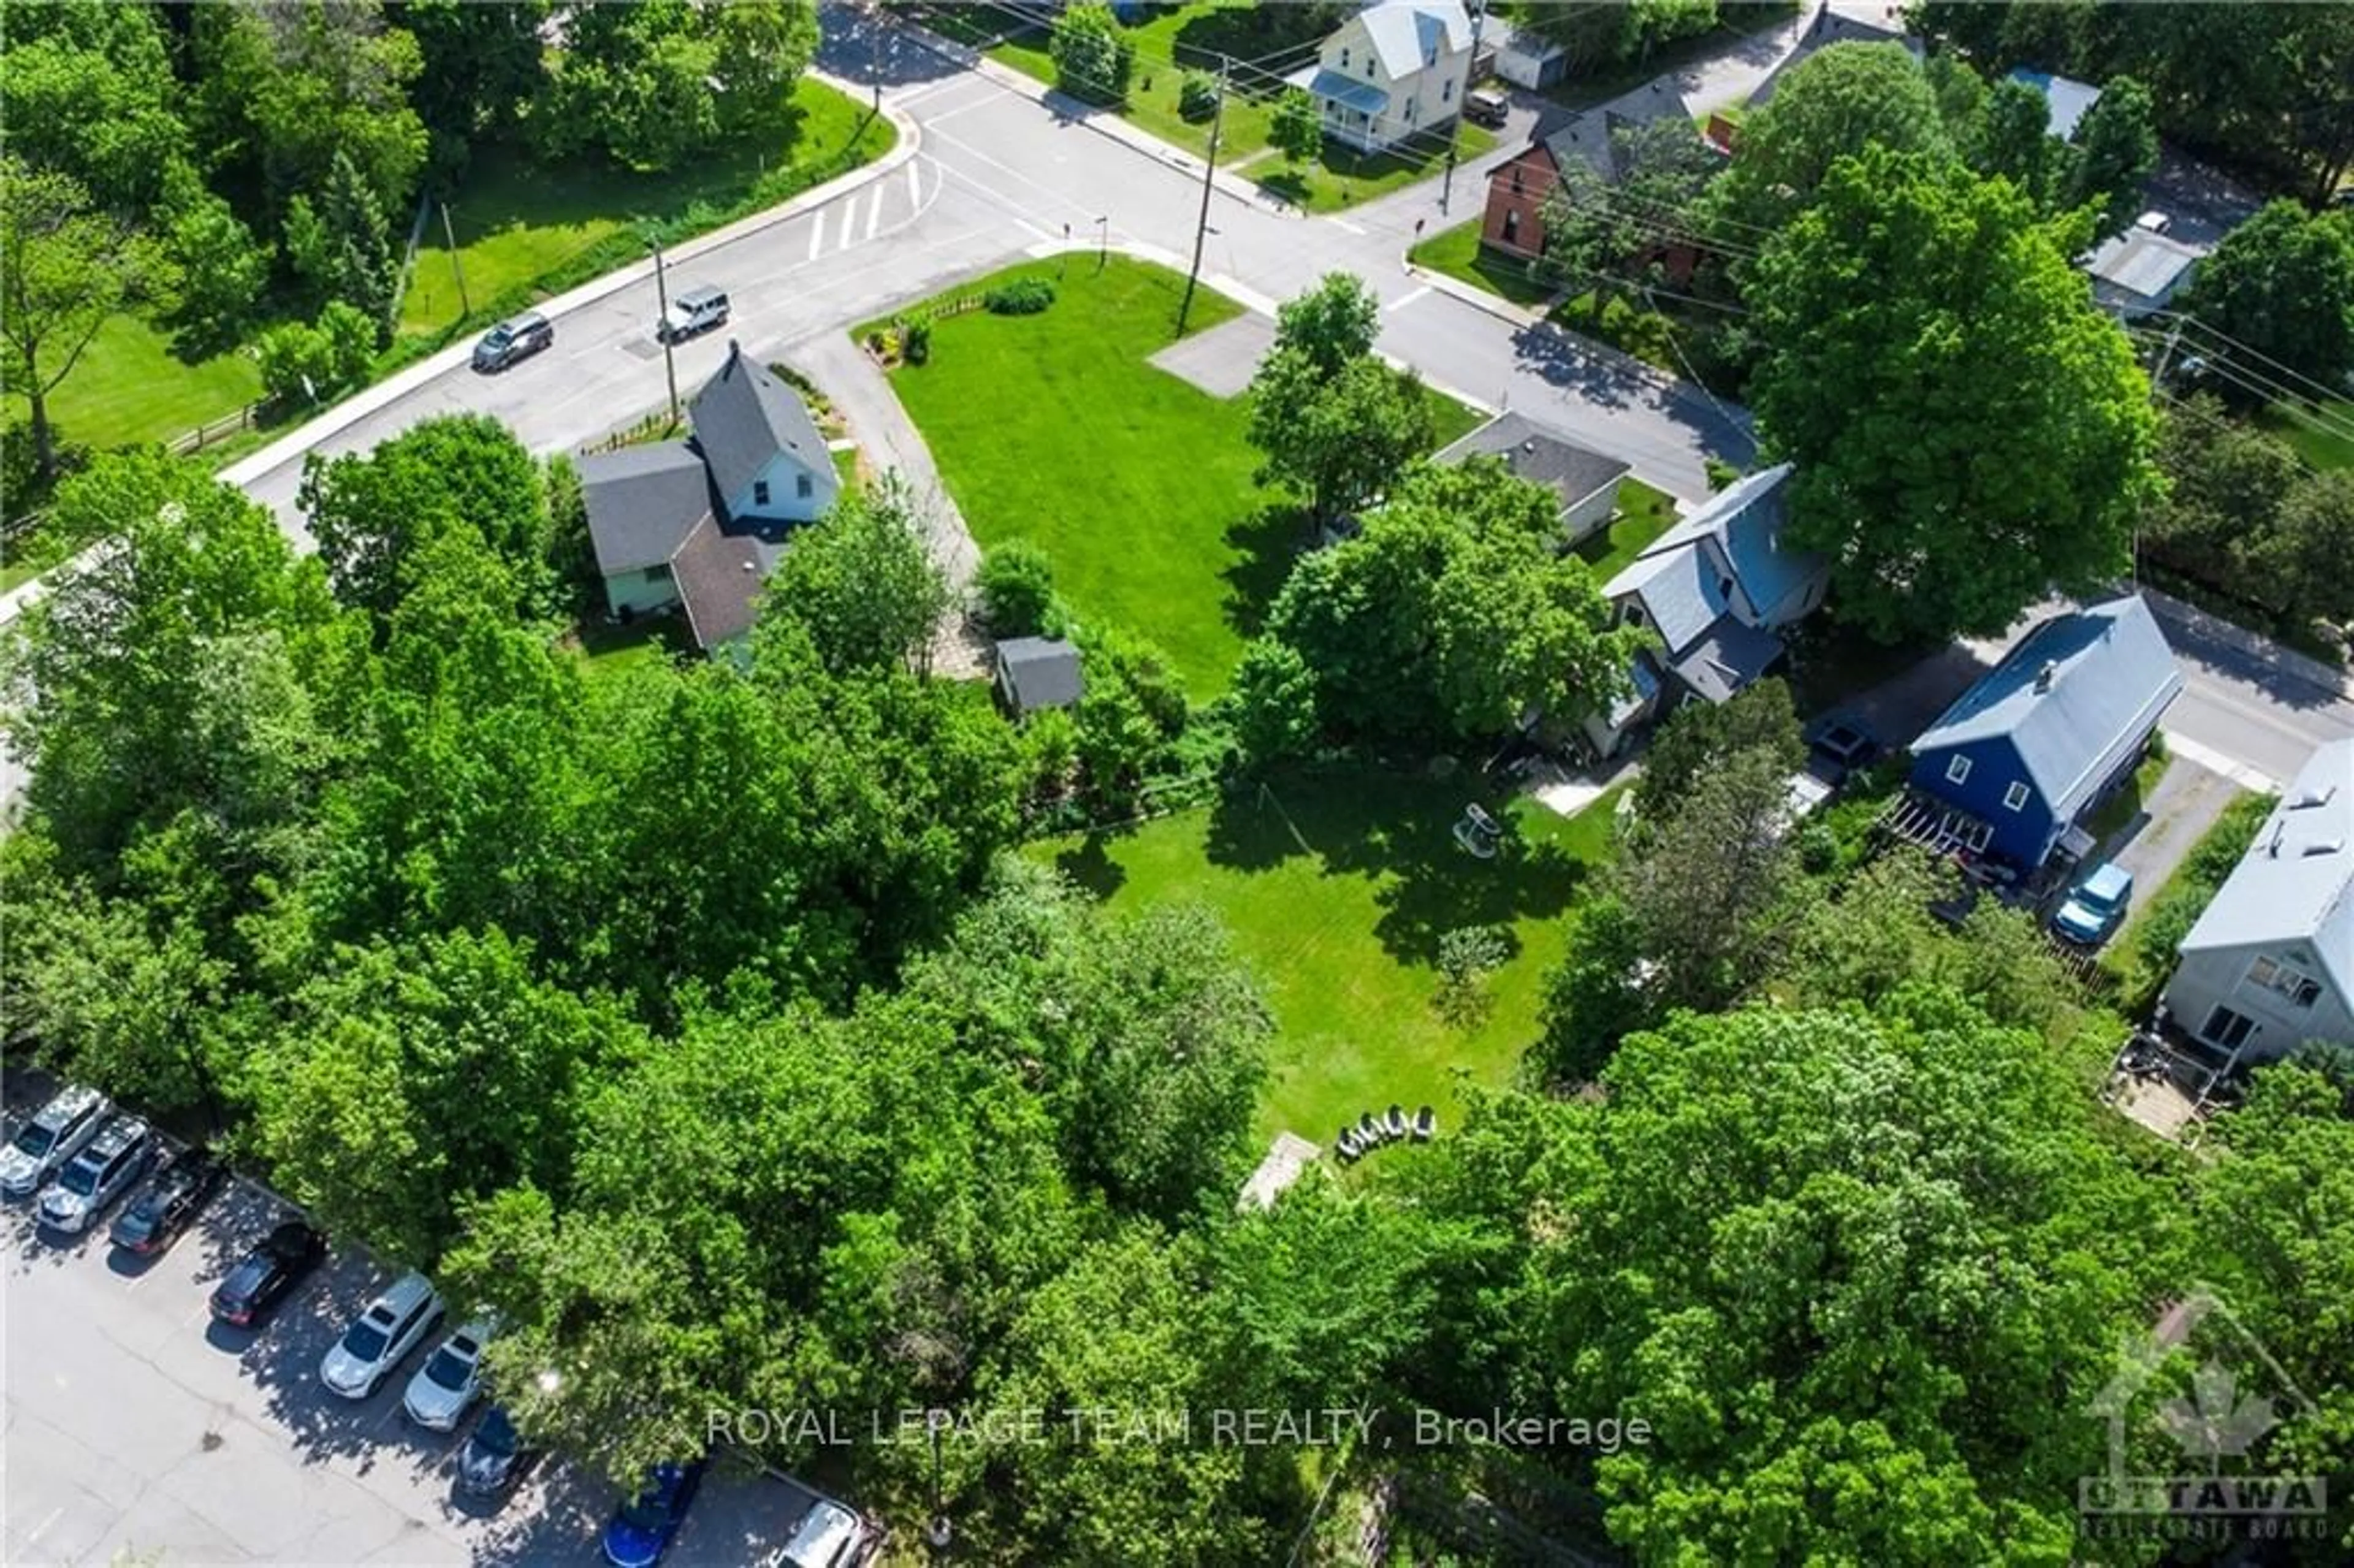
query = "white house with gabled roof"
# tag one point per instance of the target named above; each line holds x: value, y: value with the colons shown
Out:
x: 2270, y: 963
x: 1394, y: 69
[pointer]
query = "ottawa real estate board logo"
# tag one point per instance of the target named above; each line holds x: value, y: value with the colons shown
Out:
x: 2216, y: 1428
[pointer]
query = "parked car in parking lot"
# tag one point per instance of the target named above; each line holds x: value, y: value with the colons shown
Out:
x: 641, y: 1528
x: 265, y: 1274
x: 495, y: 1455
x: 394, y: 1324
x: 176, y: 1195
x: 509, y: 341
x: 826, y: 1535
x: 55, y: 1133
x: 106, y: 1166
x: 445, y: 1387
x: 2094, y: 907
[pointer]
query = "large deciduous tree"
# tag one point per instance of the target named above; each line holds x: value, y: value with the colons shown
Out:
x: 1333, y: 421
x: 2115, y: 148
x: 1453, y: 615
x: 1706, y: 883
x: 86, y: 91
x: 861, y: 583
x: 65, y: 269
x: 1092, y: 52
x: 2283, y: 284
x: 1970, y: 432
x: 1597, y: 231
x: 375, y: 516
x: 1831, y: 105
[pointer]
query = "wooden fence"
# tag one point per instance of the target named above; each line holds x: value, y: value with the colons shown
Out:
x: 220, y: 429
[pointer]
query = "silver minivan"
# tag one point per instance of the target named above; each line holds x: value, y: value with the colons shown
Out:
x: 394, y: 1324
x: 696, y: 311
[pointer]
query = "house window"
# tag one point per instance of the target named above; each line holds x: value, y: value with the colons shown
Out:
x: 1516, y: 180
x: 1958, y: 770
x: 2228, y: 1028
x: 1344, y: 56
x: 1511, y: 226
x: 2015, y: 798
x: 1634, y: 615
x: 2301, y: 989
x: 801, y: 486
x: 759, y: 493
x: 1446, y: 91
x: 658, y: 573
x: 1413, y: 106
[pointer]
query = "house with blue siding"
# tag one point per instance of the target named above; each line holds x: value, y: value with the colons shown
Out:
x: 2047, y: 733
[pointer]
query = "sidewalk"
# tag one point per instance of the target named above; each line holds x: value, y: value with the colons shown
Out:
x: 2188, y: 623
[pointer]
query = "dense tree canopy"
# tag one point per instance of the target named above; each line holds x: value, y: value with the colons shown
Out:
x: 2283, y: 284
x: 1970, y: 432
x: 1452, y: 615
x: 1831, y: 105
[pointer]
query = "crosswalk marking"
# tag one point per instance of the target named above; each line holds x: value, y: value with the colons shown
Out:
x: 817, y: 233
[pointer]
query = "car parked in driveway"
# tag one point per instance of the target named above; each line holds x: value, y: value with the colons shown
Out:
x: 1845, y: 745
x: 494, y: 1456
x: 174, y: 1195
x: 641, y: 1528
x: 394, y: 1324
x: 509, y: 341
x: 446, y: 1386
x: 825, y: 1535
x: 274, y: 1266
x: 2094, y: 907
x: 55, y: 1133
x: 104, y: 1170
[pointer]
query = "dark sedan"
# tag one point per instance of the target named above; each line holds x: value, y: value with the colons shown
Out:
x: 262, y: 1276
x: 172, y: 1196
x: 494, y: 1456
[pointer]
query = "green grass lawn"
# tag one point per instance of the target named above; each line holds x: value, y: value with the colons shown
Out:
x: 1458, y: 253
x: 1644, y: 514
x: 1054, y: 428
x: 130, y: 387
x: 525, y: 231
x: 607, y: 649
x: 1137, y: 483
x: 1336, y: 888
x: 2320, y: 447
x: 1340, y: 179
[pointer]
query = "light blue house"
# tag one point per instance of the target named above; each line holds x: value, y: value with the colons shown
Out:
x: 2044, y: 735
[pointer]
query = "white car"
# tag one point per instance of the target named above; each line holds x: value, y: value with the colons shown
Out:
x: 449, y: 1381
x: 394, y: 1324
x: 55, y: 1135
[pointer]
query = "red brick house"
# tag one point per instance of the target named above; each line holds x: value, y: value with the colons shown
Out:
x: 1514, y: 220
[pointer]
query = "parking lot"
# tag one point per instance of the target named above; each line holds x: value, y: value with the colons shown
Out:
x: 135, y: 1424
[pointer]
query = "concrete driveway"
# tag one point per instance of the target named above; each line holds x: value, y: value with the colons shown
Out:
x: 2176, y: 815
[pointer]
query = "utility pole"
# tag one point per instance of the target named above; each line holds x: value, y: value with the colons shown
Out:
x: 1455, y: 126
x: 661, y: 327
x: 1102, y: 242
x: 450, y: 234
x: 875, y: 52
x: 1202, y: 224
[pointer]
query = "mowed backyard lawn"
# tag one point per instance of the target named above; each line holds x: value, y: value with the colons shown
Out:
x: 129, y: 388
x: 1336, y: 888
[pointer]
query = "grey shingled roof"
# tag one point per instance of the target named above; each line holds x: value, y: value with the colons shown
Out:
x: 2112, y: 676
x: 1039, y: 672
x: 1592, y: 137
x: 718, y: 575
x: 1728, y: 657
x: 743, y: 417
x: 1829, y: 28
x: 2296, y: 882
x: 1535, y: 452
x: 641, y: 501
x: 1404, y: 31
x: 1680, y: 590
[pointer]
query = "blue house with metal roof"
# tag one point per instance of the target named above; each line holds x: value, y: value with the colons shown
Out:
x: 2043, y: 735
